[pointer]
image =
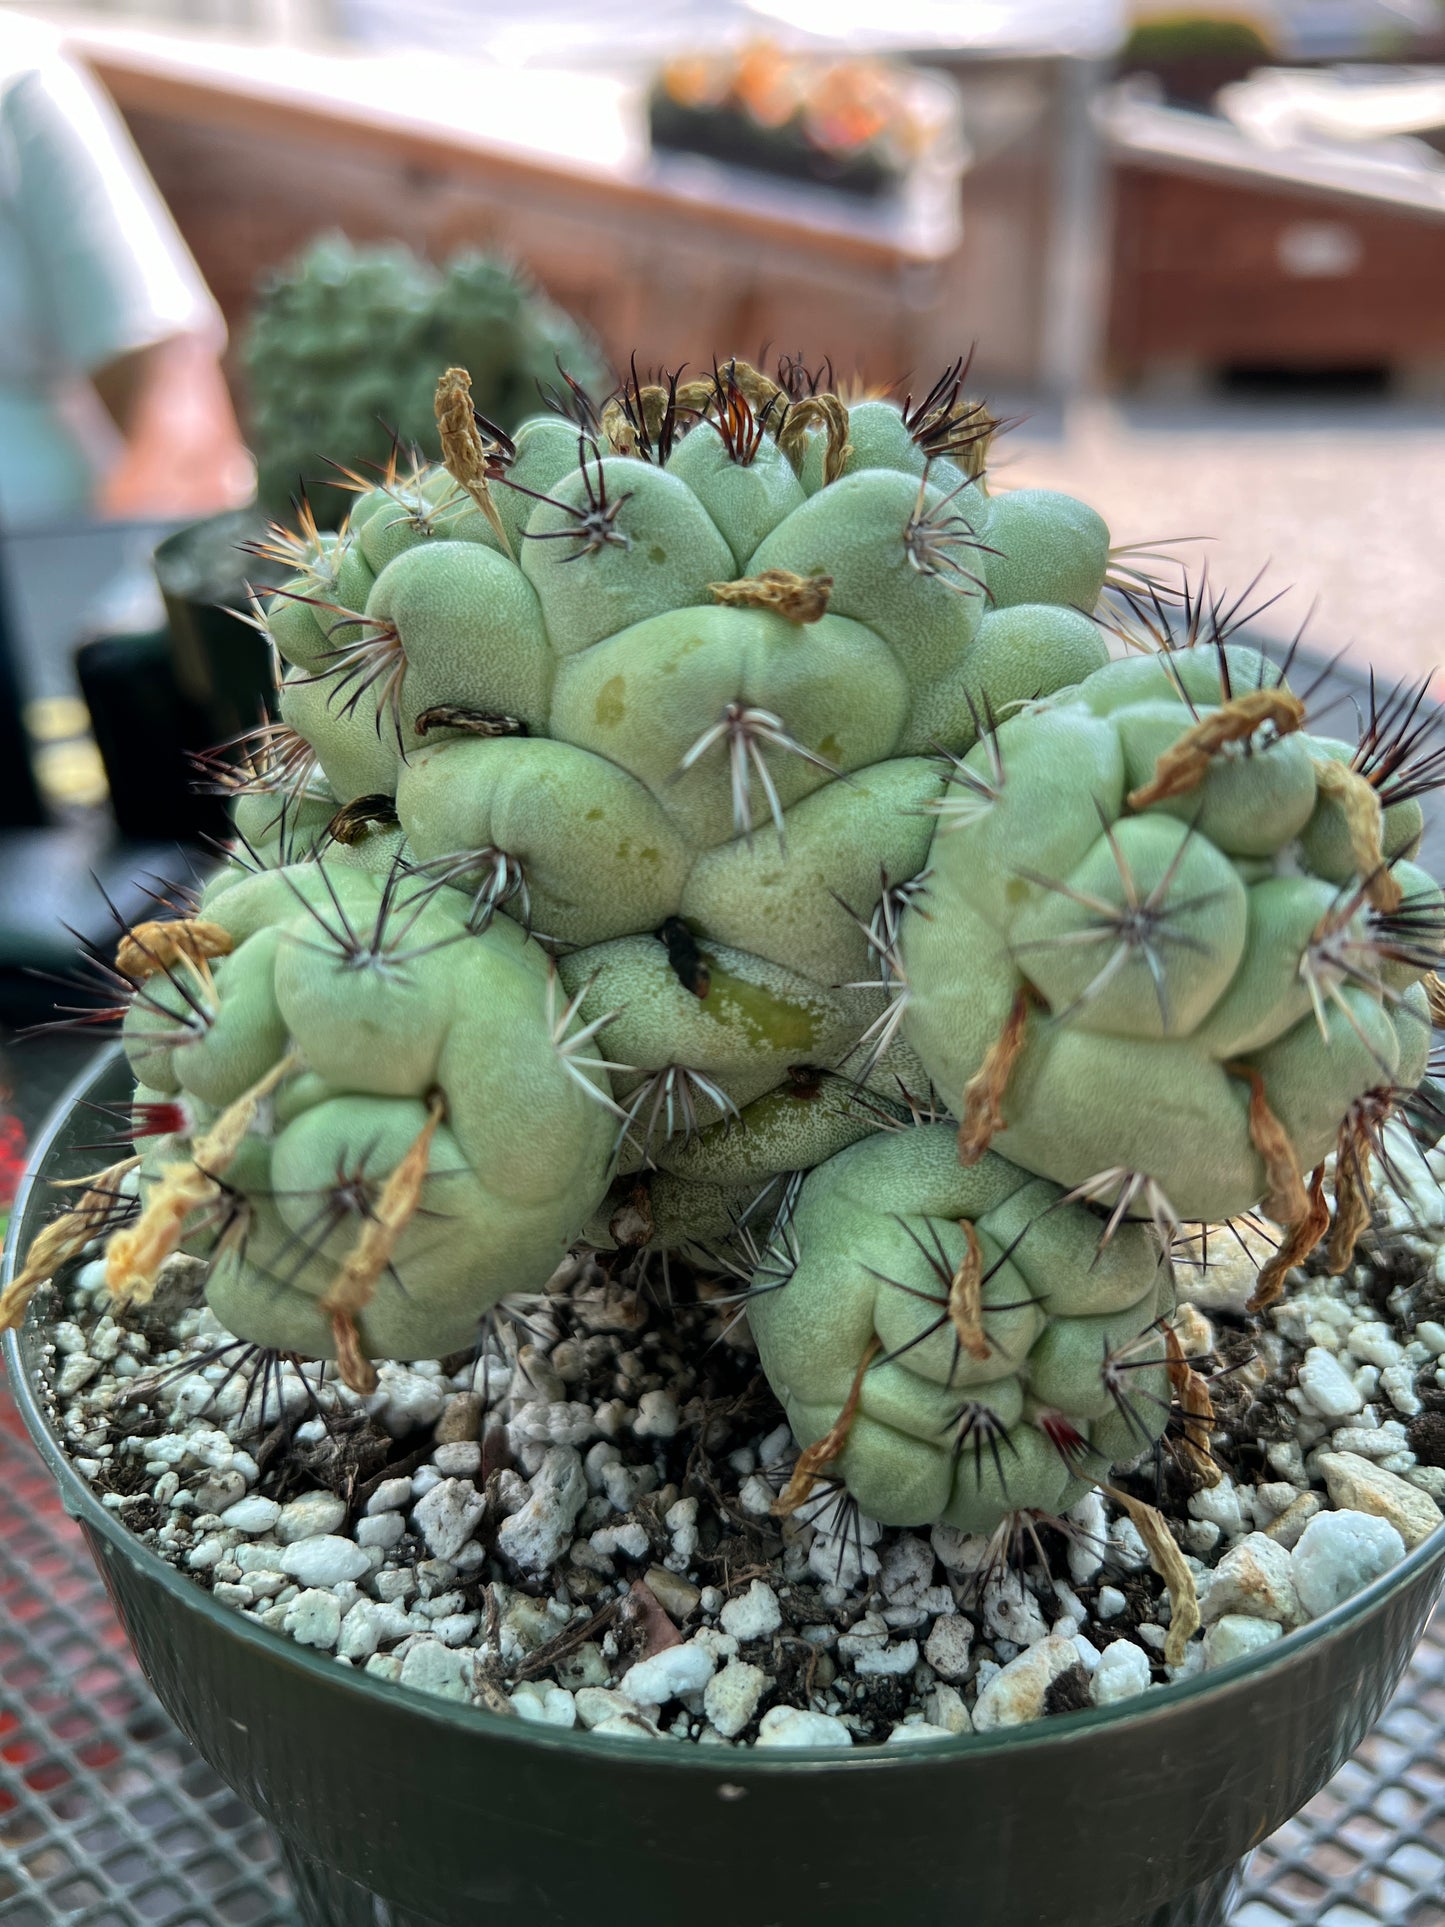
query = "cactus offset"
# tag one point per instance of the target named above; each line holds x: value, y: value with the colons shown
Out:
x: 435, y: 1139
x: 958, y: 1340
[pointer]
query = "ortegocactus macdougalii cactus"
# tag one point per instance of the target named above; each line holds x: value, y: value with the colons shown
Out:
x: 669, y: 686
x: 377, y: 1118
x: 1195, y: 943
x: 954, y: 1342
x: 345, y: 342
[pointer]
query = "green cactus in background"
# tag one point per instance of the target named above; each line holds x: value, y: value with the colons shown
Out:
x: 419, y: 1126
x: 1195, y: 941
x: 345, y: 342
x: 986, y: 1352
x: 668, y: 687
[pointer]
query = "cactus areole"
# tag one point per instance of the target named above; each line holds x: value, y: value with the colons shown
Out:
x: 716, y: 822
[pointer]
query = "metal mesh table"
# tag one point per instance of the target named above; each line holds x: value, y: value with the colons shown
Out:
x: 109, y: 1819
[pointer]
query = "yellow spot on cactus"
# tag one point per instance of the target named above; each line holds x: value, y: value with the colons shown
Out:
x: 656, y: 554
x: 1016, y: 890
x: 595, y: 814
x: 610, y: 707
x: 774, y: 1022
x: 649, y: 856
x: 831, y: 748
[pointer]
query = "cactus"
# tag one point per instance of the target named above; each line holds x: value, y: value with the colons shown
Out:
x: 954, y: 1342
x: 375, y: 1117
x: 344, y: 345
x: 668, y: 687
x: 672, y: 801
x: 1195, y: 943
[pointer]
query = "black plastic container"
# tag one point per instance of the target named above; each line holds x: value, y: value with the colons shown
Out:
x: 222, y: 666
x: 399, y: 1810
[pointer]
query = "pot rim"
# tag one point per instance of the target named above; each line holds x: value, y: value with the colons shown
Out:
x: 1147, y: 1709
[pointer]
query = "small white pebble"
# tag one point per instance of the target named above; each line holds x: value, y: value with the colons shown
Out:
x: 323, y: 1561
x: 1372, y: 1344
x: 383, y: 1529
x: 912, y: 1731
x: 1017, y: 1693
x: 390, y: 1496
x: 756, y: 1496
x: 460, y: 1459
x: 250, y: 1515
x: 1326, y: 1387
x: 435, y: 1668
x: 874, y: 1659
x: 1086, y: 1551
x: 1237, y: 1634
x: 78, y: 1370
x: 1110, y: 1602
x: 632, y: 1725
x: 312, y: 1516
x: 1338, y: 1553
x: 1429, y: 1332
x: 949, y: 1647
x: 597, y: 1703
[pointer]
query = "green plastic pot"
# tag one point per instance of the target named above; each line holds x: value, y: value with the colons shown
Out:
x: 399, y: 1810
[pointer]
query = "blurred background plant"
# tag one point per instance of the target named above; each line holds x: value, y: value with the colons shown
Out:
x: 344, y: 344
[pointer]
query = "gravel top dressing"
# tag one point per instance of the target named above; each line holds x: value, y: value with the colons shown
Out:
x: 575, y: 1525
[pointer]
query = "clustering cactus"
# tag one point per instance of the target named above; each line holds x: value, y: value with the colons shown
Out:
x: 672, y: 802
x: 345, y: 342
x: 377, y: 1118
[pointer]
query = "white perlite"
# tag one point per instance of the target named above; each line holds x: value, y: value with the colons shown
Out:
x: 668, y: 1675
x: 795, y: 1726
x: 544, y: 1704
x: 536, y: 1536
x: 874, y: 1635
x: 1340, y: 1552
x: 754, y: 1614
x: 733, y: 1695
x: 874, y: 1658
x: 448, y: 1515
x: 435, y: 1668
x: 314, y: 1618
x: 1122, y: 1671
